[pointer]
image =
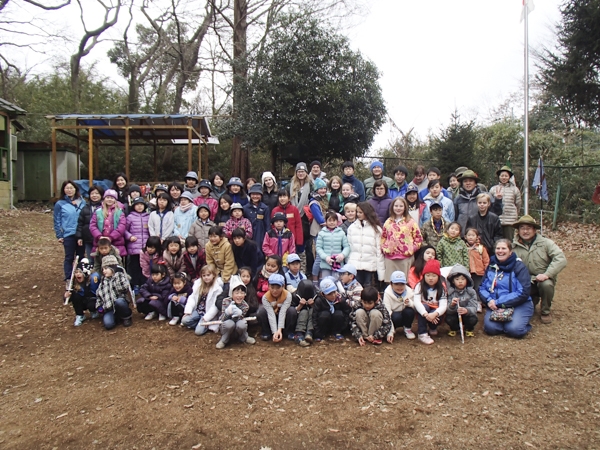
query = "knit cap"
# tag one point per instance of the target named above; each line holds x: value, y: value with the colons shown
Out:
x: 375, y: 164
x: 432, y: 266
x: 109, y: 260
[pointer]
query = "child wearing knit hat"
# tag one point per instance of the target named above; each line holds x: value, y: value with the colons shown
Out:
x: 430, y: 301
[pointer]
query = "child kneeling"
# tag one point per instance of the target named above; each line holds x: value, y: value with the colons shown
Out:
x: 370, y: 319
x: 463, y: 301
x: 233, y: 315
x: 111, y: 295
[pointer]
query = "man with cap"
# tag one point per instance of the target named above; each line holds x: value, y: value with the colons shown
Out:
x: 359, y: 188
x: 258, y: 214
x: 111, y: 295
x: 330, y: 311
x: 204, y: 197
x: 316, y: 172
x: 376, y: 169
x: 276, y: 318
x: 544, y: 260
x: 465, y: 204
x: 191, y: 184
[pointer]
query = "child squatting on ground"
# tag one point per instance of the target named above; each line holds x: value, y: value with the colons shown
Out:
x: 111, y: 295
x: 370, y: 319
x: 233, y: 316
x: 463, y: 301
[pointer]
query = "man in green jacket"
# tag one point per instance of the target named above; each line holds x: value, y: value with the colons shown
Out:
x: 544, y: 259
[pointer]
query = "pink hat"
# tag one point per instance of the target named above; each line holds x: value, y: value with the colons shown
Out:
x: 111, y: 193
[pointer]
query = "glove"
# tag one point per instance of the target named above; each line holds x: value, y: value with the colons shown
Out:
x: 229, y: 310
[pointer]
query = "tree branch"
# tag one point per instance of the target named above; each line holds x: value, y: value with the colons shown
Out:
x: 40, y: 5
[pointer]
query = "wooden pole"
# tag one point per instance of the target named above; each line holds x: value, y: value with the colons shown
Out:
x: 127, y: 148
x: 54, y: 164
x: 189, y: 144
x: 155, y: 166
x: 91, y: 156
x: 78, y: 147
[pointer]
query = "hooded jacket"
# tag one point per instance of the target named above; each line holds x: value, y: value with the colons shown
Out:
x: 382, y: 331
x: 66, y: 216
x: 281, y: 244
x: 451, y: 251
x: 507, y: 283
x: 467, y: 297
x: 136, y: 225
x: 381, y: 205
x: 112, y: 226
x: 211, y: 311
x: 332, y: 242
x: 243, y: 306
x: 447, y: 208
x: 199, y: 230
x: 365, y: 248
x: 294, y: 221
x: 221, y: 256
x: 183, y: 220
x: 213, y: 205
x: 162, y: 289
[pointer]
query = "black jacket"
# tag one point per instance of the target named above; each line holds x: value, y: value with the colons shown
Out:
x: 248, y: 255
x: 489, y: 227
x: 83, y: 223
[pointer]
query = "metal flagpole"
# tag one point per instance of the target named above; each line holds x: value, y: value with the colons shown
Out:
x: 526, y: 121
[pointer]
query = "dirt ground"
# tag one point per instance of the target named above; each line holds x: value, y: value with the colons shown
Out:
x: 157, y: 386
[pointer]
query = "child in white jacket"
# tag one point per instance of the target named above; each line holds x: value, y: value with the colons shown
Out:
x: 201, y: 305
x: 398, y: 298
x: 364, y: 238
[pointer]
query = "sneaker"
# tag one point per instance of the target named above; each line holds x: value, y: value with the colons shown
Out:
x: 451, y: 333
x: 150, y: 316
x: 250, y: 340
x: 479, y: 307
x: 220, y: 345
x: 299, y: 336
x: 408, y: 333
x: 425, y: 339
x: 266, y: 337
x: 339, y: 337
x: 318, y: 339
x: 78, y: 321
x: 174, y: 321
x: 309, y: 337
x: 94, y: 315
x: 377, y: 342
x: 546, y: 318
x: 303, y: 343
x: 162, y: 318
x: 127, y: 322
x: 470, y: 333
x: 433, y: 332
x: 291, y: 336
x: 136, y: 290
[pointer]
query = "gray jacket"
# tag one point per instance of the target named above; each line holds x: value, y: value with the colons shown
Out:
x: 467, y: 297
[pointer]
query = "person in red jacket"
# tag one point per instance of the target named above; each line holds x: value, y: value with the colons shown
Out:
x: 279, y: 240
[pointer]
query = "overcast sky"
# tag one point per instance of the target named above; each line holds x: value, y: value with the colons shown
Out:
x: 438, y: 55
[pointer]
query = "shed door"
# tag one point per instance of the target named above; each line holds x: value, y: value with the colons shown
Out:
x: 37, y: 176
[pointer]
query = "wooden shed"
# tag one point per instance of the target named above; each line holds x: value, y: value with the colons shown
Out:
x: 9, y: 126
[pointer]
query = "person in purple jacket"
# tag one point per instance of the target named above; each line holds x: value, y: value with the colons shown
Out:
x: 155, y: 294
x: 381, y: 200
x: 136, y: 235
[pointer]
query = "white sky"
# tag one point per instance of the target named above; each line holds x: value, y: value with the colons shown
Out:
x: 438, y: 55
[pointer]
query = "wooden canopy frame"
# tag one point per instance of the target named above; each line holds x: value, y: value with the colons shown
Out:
x: 130, y: 130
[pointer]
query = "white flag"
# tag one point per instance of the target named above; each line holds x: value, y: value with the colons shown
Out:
x: 528, y: 6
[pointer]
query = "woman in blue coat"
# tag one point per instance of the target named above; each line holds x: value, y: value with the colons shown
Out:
x: 66, y: 216
x: 506, y: 284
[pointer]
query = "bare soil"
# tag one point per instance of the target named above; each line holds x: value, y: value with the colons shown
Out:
x: 157, y: 386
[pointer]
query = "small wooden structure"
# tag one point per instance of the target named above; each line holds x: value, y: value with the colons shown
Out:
x: 9, y: 126
x: 129, y: 131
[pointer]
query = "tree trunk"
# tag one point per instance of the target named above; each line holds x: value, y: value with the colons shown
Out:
x: 240, y: 157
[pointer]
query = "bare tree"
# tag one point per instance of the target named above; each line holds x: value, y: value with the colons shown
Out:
x: 89, y: 41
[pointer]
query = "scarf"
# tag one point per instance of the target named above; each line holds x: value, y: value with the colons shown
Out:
x: 300, y: 198
x: 264, y: 273
x: 186, y: 208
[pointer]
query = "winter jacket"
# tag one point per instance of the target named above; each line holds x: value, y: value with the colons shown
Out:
x: 195, y: 191
x: 248, y: 255
x: 439, y: 305
x: 507, y: 283
x: 382, y: 331
x: 467, y: 297
x: 425, y: 192
x: 321, y: 304
x: 112, y: 226
x: 147, y: 260
x: 222, y: 217
x: 400, y: 240
x: 465, y: 206
x: 292, y: 281
x: 479, y: 259
x: 447, y: 208
x: 66, y: 216
x: 543, y: 256
x: 398, y: 191
x: 350, y: 292
x: 346, y: 225
x: 221, y: 256
x: 182, y: 221
x: 369, y: 182
x: 199, y: 230
x: 294, y: 222
x: 240, y: 198
x: 183, y: 295
x: 210, y: 308
x: 174, y: 263
x: 225, y: 315
x: 511, y: 201
x: 213, y: 205
x: 451, y: 251
x: 260, y: 218
x: 276, y: 309
x: 365, y: 248
x: 332, y: 242
x: 161, y: 224
x: 318, y: 221
x: 271, y: 199
x: 136, y: 225
x: 216, y: 192
x: 261, y: 284
x: 359, y: 187
x: 83, y: 223
x: 192, y: 271
x: 489, y: 227
x: 234, y: 223
x: 114, y: 251
x: 431, y: 235
x: 395, y: 302
x: 381, y: 205
x: 281, y: 244
x: 110, y: 289
x: 162, y: 289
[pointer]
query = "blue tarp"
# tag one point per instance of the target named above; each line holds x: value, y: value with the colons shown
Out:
x: 84, y: 185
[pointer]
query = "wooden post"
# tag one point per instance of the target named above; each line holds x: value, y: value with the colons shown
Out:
x: 78, y: 149
x: 54, y: 167
x: 189, y: 144
x: 91, y: 156
x: 127, y: 148
x: 155, y: 166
